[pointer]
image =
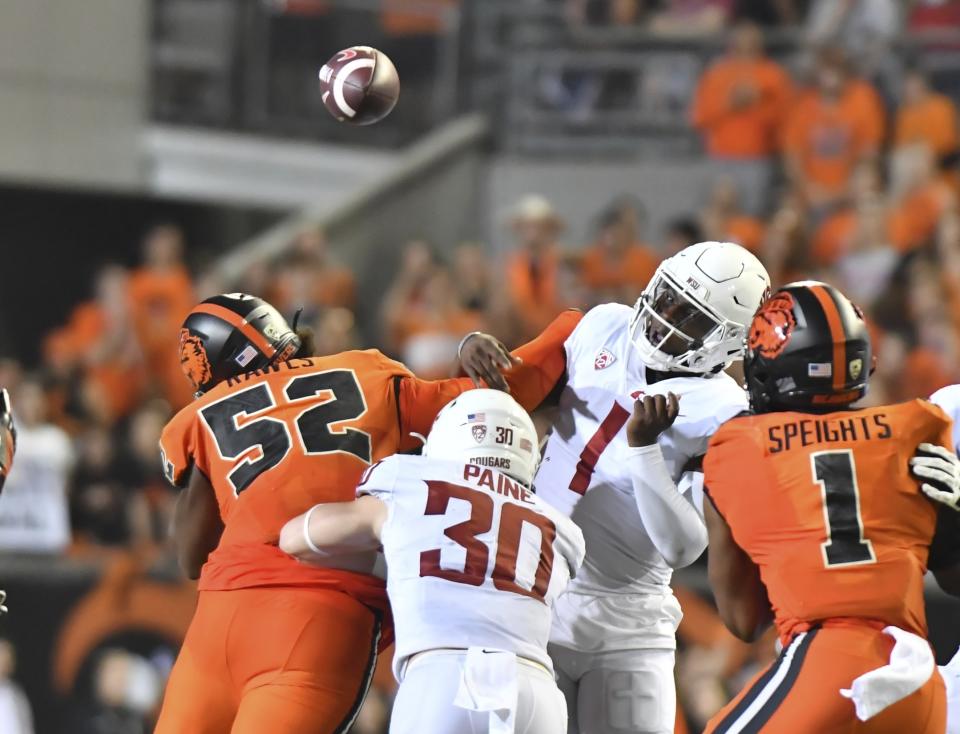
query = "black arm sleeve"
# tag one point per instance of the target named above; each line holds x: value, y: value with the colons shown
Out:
x: 945, y: 546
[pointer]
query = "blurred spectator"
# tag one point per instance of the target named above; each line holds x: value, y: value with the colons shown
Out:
x: 863, y: 28
x: 472, y: 278
x: 833, y: 236
x: 680, y: 233
x: 832, y: 129
x: 127, y: 690
x: 161, y: 295
x: 925, y: 116
x: 307, y: 278
x: 768, y: 13
x: 101, y: 506
x: 617, y: 266
x: 691, y: 17
x: 918, y: 198
x: 867, y: 259
x: 533, y: 265
x: 934, y: 15
x: 15, y: 714
x: 334, y: 331
x: 431, y: 329
x: 417, y: 266
x: 580, y: 91
x: 98, y: 347
x: 738, y: 107
x: 724, y: 221
x: 33, y: 507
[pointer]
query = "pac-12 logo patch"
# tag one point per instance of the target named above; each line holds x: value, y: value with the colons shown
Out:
x: 603, y: 359
x: 479, y: 433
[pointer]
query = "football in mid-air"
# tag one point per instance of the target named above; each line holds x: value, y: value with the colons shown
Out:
x: 359, y: 85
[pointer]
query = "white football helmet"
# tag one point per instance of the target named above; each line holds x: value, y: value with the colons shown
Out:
x: 488, y: 428
x: 694, y: 313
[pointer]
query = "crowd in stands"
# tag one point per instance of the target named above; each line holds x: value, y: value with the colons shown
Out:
x: 828, y: 175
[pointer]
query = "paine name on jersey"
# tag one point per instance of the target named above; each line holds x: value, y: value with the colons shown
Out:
x: 473, y: 557
x: 584, y: 475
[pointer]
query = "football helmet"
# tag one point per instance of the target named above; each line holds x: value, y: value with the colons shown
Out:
x: 230, y: 334
x: 694, y: 313
x: 8, y: 438
x: 808, y: 349
x: 488, y: 428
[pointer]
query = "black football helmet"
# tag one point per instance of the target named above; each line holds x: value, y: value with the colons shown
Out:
x: 808, y: 349
x: 8, y: 439
x: 231, y: 334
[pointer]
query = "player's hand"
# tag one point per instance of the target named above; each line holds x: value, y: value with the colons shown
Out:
x: 483, y: 357
x: 942, y: 470
x: 652, y: 415
x: 3, y: 599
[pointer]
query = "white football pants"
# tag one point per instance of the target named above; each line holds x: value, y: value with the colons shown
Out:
x: 623, y: 692
x: 434, y: 680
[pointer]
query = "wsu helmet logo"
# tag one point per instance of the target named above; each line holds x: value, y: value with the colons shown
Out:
x: 193, y: 359
x: 773, y: 326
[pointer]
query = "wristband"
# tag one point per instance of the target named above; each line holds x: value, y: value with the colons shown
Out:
x: 306, y: 532
x: 464, y: 341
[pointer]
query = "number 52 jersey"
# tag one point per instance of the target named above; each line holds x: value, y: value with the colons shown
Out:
x: 275, y: 442
x: 473, y: 558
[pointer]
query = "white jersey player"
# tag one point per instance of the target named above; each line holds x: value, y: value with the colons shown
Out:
x: 474, y: 563
x: 640, y: 508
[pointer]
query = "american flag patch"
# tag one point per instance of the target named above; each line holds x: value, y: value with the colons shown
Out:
x: 476, y: 417
x: 820, y: 369
x: 526, y: 445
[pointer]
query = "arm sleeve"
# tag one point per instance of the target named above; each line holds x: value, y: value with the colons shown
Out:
x: 709, y: 104
x: 948, y: 400
x: 945, y: 547
x: 674, y: 525
x: 419, y: 401
x: 380, y: 479
x: 544, y: 362
x: 177, y: 448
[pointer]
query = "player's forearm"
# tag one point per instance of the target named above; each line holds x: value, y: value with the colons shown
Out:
x: 331, y: 529
x: 670, y: 520
x: 196, y: 527
x: 544, y: 362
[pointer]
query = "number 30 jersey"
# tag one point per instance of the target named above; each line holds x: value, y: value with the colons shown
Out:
x: 473, y: 558
x: 275, y: 442
x: 826, y: 507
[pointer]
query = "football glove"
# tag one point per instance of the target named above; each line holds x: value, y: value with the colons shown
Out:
x: 8, y: 437
x: 3, y: 599
x: 941, y: 469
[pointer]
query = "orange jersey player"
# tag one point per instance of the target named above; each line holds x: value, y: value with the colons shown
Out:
x: 277, y: 645
x: 814, y: 518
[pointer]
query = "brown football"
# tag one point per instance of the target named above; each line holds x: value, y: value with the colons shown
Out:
x: 359, y: 85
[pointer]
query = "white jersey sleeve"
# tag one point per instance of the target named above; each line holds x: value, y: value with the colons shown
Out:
x: 473, y: 558
x: 379, y: 480
x: 948, y: 398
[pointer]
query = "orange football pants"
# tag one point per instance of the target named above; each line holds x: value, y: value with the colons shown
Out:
x: 278, y: 660
x: 799, y: 693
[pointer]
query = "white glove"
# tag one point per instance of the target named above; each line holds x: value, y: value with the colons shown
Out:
x: 942, y: 467
x: 3, y: 598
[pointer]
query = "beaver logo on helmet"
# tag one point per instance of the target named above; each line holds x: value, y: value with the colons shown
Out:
x: 773, y: 326
x: 193, y: 359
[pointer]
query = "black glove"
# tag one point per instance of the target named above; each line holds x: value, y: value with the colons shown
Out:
x: 8, y: 437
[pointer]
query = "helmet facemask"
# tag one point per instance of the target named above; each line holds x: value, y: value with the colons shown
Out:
x: 675, y: 332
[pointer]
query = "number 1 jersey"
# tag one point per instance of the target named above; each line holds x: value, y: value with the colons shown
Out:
x: 826, y: 507
x: 473, y: 558
x: 275, y: 442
